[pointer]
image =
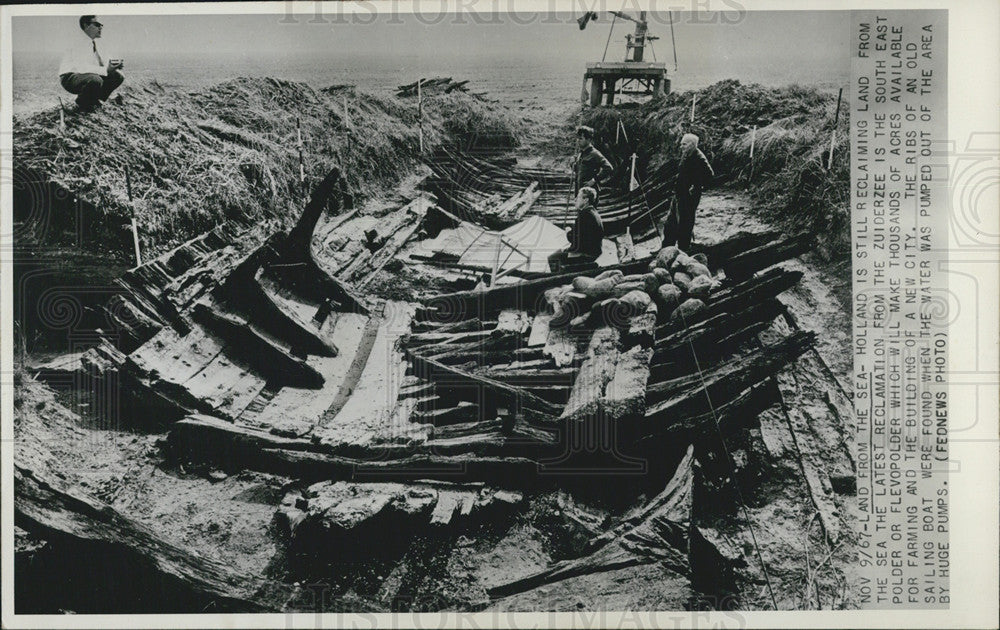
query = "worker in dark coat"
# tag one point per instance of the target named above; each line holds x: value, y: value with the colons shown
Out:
x: 586, y: 237
x: 693, y: 175
x: 590, y: 165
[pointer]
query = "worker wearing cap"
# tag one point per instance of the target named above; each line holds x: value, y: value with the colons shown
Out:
x: 693, y: 175
x: 586, y: 237
x: 590, y: 165
x: 86, y: 70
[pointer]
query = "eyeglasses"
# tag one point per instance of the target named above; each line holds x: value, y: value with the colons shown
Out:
x: 97, y: 24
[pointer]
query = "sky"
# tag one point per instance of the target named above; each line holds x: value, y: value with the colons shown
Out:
x: 794, y: 35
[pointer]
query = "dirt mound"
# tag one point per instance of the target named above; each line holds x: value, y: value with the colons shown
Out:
x: 228, y: 152
x: 788, y: 176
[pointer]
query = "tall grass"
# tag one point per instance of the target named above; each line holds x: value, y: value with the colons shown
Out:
x: 230, y: 151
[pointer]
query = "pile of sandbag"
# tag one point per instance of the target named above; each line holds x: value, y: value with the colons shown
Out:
x: 675, y: 288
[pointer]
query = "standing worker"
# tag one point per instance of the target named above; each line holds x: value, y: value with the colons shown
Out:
x: 590, y: 165
x: 693, y: 175
x: 85, y: 69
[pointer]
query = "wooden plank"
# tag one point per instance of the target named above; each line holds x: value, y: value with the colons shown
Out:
x: 625, y: 393
x: 232, y: 447
x: 464, y: 412
x: 501, y: 393
x: 178, y: 580
x: 561, y: 346
x: 595, y: 373
x: 539, y: 330
x: 226, y: 387
x: 745, y: 264
x: 358, y: 367
x: 301, y: 408
x: 262, y: 355
x: 658, y: 532
x: 626, y: 248
x: 512, y: 321
x: 174, y: 358
x: 691, y: 395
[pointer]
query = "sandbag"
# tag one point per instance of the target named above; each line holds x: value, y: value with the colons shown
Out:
x: 693, y: 268
x: 665, y: 257
x: 669, y: 297
x: 682, y: 280
x: 651, y: 282
x: 663, y: 275
x: 697, y: 269
x: 681, y: 261
x: 686, y: 311
x: 613, y: 273
x: 700, y: 287
x: 635, y: 302
x: 623, y: 288
x: 595, y: 289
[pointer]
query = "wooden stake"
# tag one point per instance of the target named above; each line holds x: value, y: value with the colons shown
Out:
x: 347, y: 125
x: 672, y: 42
x: 62, y: 116
x: 836, y: 116
x: 496, y: 261
x: 694, y: 99
x: 302, y: 168
x: 833, y: 133
x: 753, y: 140
x: 633, y: 183
x: 135, y: 227
x: 420, y: 114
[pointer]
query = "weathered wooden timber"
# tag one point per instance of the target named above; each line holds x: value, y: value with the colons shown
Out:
x: 294, y: 265
x: 698, y: 393
x: 501, y: 394
x: 657, y: 532
x: 746, y: 263
x: 267, y: 358
x: 173, y: 580
x: 481, y: 454
x: 463, y: 183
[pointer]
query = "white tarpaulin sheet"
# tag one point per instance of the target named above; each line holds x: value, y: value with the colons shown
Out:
x: 525, y: 246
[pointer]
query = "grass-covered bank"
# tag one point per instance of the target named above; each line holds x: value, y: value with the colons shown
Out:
x: 226, y: 152
x: 788, y: 177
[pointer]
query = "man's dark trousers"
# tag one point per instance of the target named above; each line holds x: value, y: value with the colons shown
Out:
x: 680, y: 224
x: 91, y: 87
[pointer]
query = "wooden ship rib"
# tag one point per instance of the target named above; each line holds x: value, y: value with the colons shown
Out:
x: 264, y: 352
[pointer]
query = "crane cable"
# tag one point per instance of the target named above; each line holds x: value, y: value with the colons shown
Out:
x: 610, y: 31
x: 672, y: 42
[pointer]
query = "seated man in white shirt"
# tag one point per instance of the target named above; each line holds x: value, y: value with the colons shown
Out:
x: 83, y: 70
